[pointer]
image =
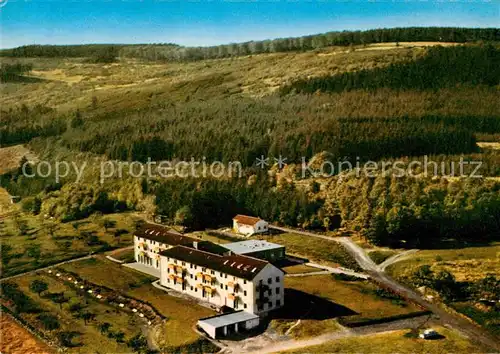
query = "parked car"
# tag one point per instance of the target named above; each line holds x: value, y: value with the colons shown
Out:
x: 428, y: 334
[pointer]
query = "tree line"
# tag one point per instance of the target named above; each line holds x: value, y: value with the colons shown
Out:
x: 173, y: 52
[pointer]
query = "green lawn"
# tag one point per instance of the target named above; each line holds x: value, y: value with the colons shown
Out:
x: 93, y: 341
x: 378, y: 256
x: 470, y: 263
x: 350, y: 301
x: 300, y: 268
x: 328, y: 252
x: 100, y: 271
x: 181, y: 314
x: 396, y: 342
x: 42, y: 244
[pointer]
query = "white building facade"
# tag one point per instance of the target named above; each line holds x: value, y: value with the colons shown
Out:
x: 239, y: 282
x: 249, y: 225
x: 151, y: 240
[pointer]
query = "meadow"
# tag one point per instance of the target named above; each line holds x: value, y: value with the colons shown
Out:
x: 30, y: 242
x: 177, y: 332
x: 396, y: 341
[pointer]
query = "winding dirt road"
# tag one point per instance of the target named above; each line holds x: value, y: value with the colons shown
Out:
x: 474, y: 332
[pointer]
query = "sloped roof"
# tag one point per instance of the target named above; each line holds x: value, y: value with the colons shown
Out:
x: 246, y: 220
x: 237, y: 265
x: 163, y: 235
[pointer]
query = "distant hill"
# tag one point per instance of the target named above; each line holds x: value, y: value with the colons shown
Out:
x: 173, y: 52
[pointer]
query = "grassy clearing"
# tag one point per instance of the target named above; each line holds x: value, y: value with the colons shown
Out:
x: 12, y: 155
x: 354, y: 302
x: 126, y: 256
x: 489, y: 145
x: 31, y: 242
x: 466, y: 264
x: 300, y: 268
x: 71, y: 83
x: 5, y: 204
x: 206, y: 236
x: 306, y: 328
x: 100, y: 271
x: 378, y: 256
x: 91, y: 338
x: 396, y: 342
x: 487, y: 317
x: 181, y: 314
x: 330, y: 253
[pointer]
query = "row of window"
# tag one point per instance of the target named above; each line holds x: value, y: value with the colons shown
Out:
x: 203, y: 269
x: 268, y: 305
x: 207, y: 294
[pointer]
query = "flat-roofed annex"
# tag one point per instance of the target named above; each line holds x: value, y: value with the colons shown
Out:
x: 250, y: 246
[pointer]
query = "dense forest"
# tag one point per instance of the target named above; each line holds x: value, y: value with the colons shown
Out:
x: 441, y: 67
x: 294, y: 127
x: 62, y: 51
x: 402, y: 212
x: 172, y: 52
x: 247, y: 130
x: 438, y: 103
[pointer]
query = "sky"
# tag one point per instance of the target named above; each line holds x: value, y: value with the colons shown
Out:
x: 212, y: 22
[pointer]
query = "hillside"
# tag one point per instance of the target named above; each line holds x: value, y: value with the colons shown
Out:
x: 236, y: 109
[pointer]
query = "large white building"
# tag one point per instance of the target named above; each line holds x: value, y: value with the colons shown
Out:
x: 228, y: 279
x: 215, y: 274
x: 249, y: 225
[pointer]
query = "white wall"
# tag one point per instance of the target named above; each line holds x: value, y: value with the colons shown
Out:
x: 220, y: 297
x: 153, y: 249
x: 273, y: 273
x: 210, y: 330
x: 260, y: 226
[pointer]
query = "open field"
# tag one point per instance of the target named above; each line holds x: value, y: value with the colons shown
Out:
x: 16, y: 339
x: 181, y: 314
x: 90, y: 337
x: 397, y: 342
x: 489, y: 145
x: 12, y: 155
x: 71, y: 83
x: 5, y: 201
x: 30, y: 242
x: 101, y: 271
x: 329, y: 253
x: 349, y: 302
x: 378, y: 256
x: 300, y: 268
x: 466, y: 264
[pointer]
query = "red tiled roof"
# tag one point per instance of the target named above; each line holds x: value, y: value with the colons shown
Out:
x: 237, y: 265
x: 163, y: 235
x: 246, y: 220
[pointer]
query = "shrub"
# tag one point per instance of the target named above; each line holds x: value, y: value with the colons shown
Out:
x: 48, y: 321
x: 66, y: 338
x: 22, y: 302
x: 38, y: 286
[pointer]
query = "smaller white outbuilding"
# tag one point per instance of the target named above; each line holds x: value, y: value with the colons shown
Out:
x: 249, y: 225
x: 226, y: 324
